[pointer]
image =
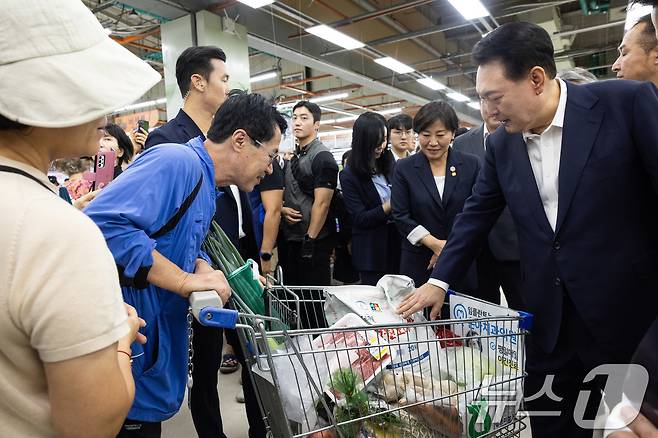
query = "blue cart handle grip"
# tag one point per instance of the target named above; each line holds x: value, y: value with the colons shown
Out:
x: 207, y: 308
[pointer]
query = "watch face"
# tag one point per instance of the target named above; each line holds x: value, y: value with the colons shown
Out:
x: 265, y: 256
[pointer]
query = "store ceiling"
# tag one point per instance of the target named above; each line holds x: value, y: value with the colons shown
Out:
x: 430, y: 36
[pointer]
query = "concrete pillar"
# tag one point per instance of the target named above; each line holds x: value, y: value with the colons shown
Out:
x: 211, y: 30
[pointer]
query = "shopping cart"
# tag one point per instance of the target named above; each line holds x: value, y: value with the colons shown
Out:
x: 341, y: 381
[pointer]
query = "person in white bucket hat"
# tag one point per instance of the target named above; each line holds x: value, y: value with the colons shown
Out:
x: 65, y: 333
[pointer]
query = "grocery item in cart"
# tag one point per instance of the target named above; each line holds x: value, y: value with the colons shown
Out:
x: 360, y: 349
x: 376, y: 305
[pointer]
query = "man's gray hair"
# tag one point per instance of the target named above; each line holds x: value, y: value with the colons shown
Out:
x: 577, y: 75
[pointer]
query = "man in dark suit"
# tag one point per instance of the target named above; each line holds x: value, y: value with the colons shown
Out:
x: 203, y: 82
x: 580, y: 175
x: 498, y: 264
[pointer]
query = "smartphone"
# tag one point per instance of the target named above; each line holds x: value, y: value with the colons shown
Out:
x: 143, y: 125
x: 103, y: 169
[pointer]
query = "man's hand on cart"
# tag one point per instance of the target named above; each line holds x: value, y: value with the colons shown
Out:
x: 641, y: 427
x: 206, y: 278
x: 427, y: 295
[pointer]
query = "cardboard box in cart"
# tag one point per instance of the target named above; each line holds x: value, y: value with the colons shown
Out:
x: 499, y: 397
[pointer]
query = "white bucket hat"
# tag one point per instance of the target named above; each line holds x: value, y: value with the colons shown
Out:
x: 58, y: 67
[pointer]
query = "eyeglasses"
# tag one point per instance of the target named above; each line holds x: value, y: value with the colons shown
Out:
x: 272, y: 156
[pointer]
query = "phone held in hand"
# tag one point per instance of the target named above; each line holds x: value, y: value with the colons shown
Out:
x: 103, y: 172
x: 143, y: 126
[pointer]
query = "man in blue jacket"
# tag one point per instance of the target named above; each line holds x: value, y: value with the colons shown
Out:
x: 579, y: 173
x: 154, y: 219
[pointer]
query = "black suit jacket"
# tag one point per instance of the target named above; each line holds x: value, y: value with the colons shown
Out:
x: 372, y: 241
x: 503, y: 243
x: 603, y: 254
x: 416, y: 201
x: 182, y: 129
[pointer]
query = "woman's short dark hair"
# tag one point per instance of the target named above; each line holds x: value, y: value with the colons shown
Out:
x: 196, y: 60
x: 518, y: 46
x: 313, y: 108
x: 368, y: 133
x: 123, y: 141
x: 433, y: 111
x: 248, y: 111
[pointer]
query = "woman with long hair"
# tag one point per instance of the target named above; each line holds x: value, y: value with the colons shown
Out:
x: 366, y: 187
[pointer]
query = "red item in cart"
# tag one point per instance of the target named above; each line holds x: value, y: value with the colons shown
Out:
x: 446, y: 337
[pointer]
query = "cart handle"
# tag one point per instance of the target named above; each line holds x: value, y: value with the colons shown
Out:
x: 208, y: 309
x: 526, y: 319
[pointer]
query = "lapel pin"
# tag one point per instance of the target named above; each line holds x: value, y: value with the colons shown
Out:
x: 453, y: 171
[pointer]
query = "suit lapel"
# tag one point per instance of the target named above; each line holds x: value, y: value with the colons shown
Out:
x: 527, y: 183
x: 452, y: 176
x: 581, y: 126
x: 425, y: 173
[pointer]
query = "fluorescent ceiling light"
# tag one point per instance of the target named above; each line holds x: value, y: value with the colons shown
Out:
x: 634, y: 12
x: 338, y: 120
x: 474, y: 105
x: 394, y: 64
x: 390, y: 111
x: 329, y: 97
x: 470, y: 9
x: 457, y: 96
x: 336, y: 132
x: 256, y: 3
x: 141, y: 105
x: 431, y: 83
x: 334, y: 110
x: 335, y: 37
x: 263, y: 76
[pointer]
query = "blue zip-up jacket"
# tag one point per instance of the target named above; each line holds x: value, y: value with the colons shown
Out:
x: 134, y: 206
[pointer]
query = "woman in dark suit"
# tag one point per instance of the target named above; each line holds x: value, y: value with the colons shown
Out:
x: 366, y: 186
x: 429, y: 190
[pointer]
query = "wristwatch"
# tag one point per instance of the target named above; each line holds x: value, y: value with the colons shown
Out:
x: 266, y: 256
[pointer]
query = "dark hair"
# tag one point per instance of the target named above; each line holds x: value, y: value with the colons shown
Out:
x: 519, y: 47
x: 345, y: 158
x: 368, y: 133
x: 7, y: 124
x: 311, y: 107
x: 248, y: 111
x: 433, y: 111
x: 401, y: 121
x: 123, y: 141
x: 647, y: 37
x: 647, y: 2
x: 196, y: 60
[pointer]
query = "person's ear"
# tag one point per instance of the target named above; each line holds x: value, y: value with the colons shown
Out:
x: 239, y: 140
x: 538, y: 79
x: 198, y: 82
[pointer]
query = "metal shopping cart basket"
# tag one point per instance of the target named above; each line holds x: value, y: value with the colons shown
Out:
x: 463, y: 376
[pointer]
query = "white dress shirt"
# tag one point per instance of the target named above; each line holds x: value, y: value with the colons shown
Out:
x: 236, y: 196
x: 544, y: 152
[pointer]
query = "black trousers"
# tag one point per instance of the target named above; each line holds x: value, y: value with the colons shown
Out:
x: 140, y: 429
x: 313, y: 272
x: 563, y: 371
x: 493, y: 274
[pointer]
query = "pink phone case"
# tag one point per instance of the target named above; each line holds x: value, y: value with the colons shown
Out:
x: 104, y: 169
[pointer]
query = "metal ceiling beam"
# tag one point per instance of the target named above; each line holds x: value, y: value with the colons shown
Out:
x: 444, y: 28
x: 372, y: 13
x: 348, y: 75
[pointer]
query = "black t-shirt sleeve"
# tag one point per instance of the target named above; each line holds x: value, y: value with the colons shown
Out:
x: 325, y: 171
x: 273, y: 181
